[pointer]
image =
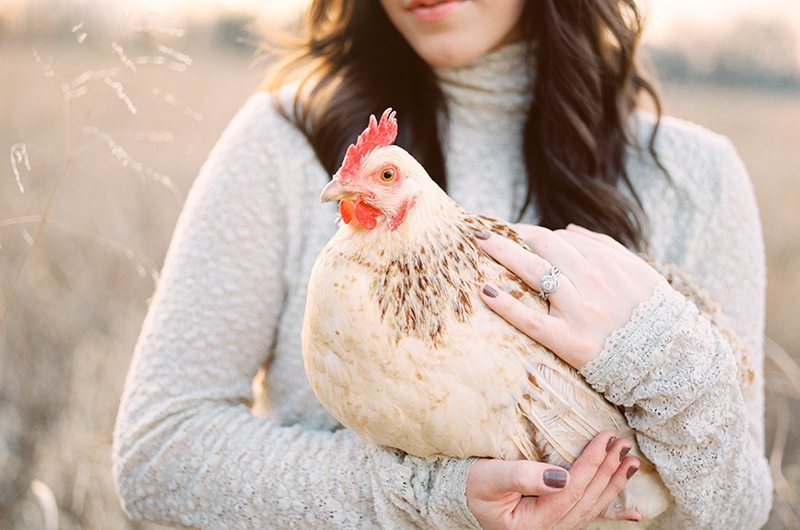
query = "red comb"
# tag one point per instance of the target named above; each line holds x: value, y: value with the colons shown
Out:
x: 377, y: 134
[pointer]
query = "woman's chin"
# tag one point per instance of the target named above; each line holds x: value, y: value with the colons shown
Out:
x: 445, y: 51
x: 452, y: 33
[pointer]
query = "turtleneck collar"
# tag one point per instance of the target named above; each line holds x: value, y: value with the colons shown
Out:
x: 499, y: 81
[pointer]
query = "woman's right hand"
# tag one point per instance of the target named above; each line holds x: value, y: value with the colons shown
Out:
x: 522, y: 494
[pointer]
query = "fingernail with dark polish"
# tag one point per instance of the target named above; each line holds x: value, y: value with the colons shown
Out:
x: 610, y: 443
x: 482, y: 235
x: 555, y: 478
x: 489, y: 291
x: 623, y: 453
x: 631, y: 471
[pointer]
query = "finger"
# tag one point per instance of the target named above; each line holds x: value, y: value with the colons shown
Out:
x: 588, y: 247
x: 618, y: 449
x: 613, y: 255
x: 591, y: 505
x: 581, y: 473
x: 603, y: 239
x: 552, y: 248
x: 624, y: 514
x: 620, y: 513
x: 593, y: 252
x: 630, y: 465
x: 543, y: 328
x: 532, y: 479
x: 592, y: 457
x: 526, y: 265
x: 597, y: 252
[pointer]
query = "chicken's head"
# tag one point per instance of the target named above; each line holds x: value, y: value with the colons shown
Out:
x: 375, y: 182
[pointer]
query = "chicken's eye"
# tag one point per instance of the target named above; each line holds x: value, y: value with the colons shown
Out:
x: 387, y: 174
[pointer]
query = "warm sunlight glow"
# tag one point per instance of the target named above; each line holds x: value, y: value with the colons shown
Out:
x: 666, y: 18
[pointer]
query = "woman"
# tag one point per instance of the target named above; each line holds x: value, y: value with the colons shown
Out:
x: 525, y: 107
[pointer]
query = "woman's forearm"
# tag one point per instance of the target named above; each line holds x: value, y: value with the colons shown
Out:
x: 217, y: 466
x: 677, y: 378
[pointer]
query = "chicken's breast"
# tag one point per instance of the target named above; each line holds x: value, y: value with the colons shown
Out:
x: 395, y: 365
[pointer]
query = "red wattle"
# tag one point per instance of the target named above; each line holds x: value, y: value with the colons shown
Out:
x: 367, y: 215
x: 346, y: 210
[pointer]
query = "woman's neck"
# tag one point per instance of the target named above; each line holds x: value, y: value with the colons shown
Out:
x: 499, y: 81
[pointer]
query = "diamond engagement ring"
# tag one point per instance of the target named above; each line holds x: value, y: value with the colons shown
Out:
x: 548, y: 284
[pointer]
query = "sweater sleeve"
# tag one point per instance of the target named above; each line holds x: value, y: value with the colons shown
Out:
x: 676, y: 374
x: 187, y: 449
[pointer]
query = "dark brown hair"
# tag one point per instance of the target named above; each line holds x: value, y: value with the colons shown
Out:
x: 353, y: 62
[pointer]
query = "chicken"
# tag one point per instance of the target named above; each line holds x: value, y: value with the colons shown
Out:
x: 398, y: 346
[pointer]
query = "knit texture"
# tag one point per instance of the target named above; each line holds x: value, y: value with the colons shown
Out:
x: 189, y: 451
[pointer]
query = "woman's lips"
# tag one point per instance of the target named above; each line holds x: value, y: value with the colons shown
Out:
x: 433, y: 10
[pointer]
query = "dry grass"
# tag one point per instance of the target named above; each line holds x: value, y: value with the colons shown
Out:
x: 66, y: 341
x: 69, y: 333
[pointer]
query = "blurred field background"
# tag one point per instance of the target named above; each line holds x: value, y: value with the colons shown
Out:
x: 109, y: 109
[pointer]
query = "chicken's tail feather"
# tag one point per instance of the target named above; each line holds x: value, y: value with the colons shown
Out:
x: 566, y: 412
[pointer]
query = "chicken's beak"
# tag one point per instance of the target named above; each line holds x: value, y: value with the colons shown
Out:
x: 334, y: 191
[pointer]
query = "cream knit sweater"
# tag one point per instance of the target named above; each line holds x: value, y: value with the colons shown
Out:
x: 189, y: 451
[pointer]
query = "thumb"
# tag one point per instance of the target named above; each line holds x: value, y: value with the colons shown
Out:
x: 528, y: 478
x: 537, y: 478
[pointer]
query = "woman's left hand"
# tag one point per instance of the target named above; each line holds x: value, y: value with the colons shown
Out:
x: 600, y: 284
